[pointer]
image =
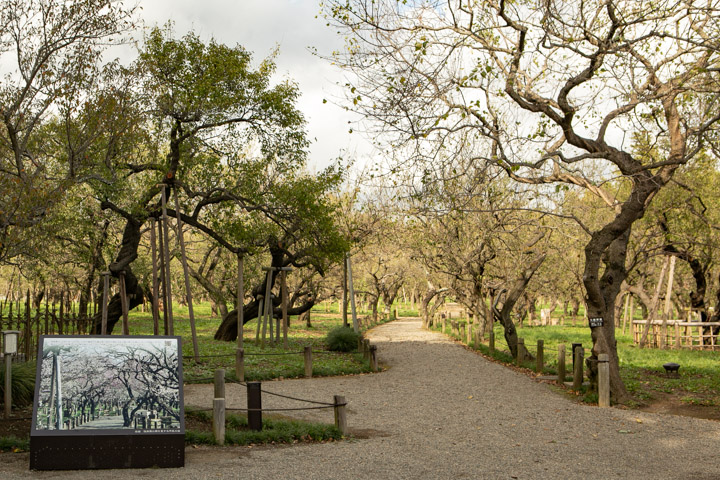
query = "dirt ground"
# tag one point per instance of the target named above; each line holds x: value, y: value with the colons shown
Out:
x: 666, y: 403
x: 440, y: 411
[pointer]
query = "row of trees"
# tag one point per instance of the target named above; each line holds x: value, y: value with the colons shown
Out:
x: 534, y: 150
x: 605, y: 98
x: 88, y: 145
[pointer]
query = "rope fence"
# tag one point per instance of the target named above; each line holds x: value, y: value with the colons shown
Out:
x: 255, y: 409
x: 255, y: 392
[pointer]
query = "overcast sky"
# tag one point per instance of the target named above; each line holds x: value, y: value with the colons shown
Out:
x: 262, y: 25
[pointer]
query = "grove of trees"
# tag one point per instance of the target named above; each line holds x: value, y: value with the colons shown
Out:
x: 529, y: 155
x: 603, y: 98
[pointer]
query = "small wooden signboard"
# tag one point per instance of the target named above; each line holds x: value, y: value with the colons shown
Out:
x: 108, y: 402
x: 596, y: 322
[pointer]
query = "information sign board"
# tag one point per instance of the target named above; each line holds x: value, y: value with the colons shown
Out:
x: 596, y: 322
x: 108, y: 402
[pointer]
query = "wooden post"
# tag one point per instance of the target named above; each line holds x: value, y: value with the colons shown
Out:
x: 603, y: 380
x: 578, y: 368
x: 284, y: 300
x: 219, y: 407
x: 8, y: 385
x: 520, y: 351
x: 678, y: 344
x: 575, y: 346
x: 540, y: 357
x: 240, y: 364
x: 260, y: 317
x: 561, y: 364
x: 668, y: 303
x: 155, y: 287
x: 28, y: 330
x: 186, y: 273
x: 61, y: 314
x: 219, y: 420
x: 626, y: 312
x: 366, y: 348
x: 254, y: 403
x: 340, y: 416
x: 344, y: 293
x: 491, y: 340
x: 356, y: 327
x: 219, y: 383
x: 166, y: 280
x: 106, y: 290
x: 124, y: 305
x: 373, y: 358
x: 163, y: 280
x: 268, y: 307
x: 240, y: 306
x: 47, y: 313
x: 307, y: 356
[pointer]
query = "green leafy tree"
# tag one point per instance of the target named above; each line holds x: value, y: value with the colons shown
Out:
x: 51, y: 51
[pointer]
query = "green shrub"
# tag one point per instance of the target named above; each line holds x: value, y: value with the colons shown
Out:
x: 23, y: 383
x: 14, y: 444
x: 342, y: 339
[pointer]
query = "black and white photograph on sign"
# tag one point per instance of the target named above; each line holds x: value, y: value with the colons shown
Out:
x: 101, y: 385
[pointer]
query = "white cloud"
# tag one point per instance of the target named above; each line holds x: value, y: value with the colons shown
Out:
x: 293, y: 26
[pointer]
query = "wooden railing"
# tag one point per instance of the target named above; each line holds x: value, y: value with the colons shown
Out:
x: 678, y: 334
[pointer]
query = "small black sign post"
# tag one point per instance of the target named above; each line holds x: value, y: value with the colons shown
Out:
x: 108, y: 402
x: 596, y: 322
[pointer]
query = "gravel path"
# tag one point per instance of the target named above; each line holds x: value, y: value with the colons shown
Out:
x: 441, y: 411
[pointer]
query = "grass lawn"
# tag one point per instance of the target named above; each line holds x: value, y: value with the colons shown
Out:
x: 270, y: 362
x: 260, y: 364
x: 641, y: 369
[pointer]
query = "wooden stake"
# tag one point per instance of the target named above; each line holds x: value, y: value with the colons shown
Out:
x: 626, y: 312
x: 603, y: 380
x: 61, y: 315
x: 163, y: 280
x: 240, y: 307
x: 540, y: 357
x: 356, y: 327
x: 156, y: 289
x: 340, y: 416
x: 668, y: 303
x: 345, y: 294
x: 307, y: 356
x: 268, y: 306
x: 240, y: 364
x: 124, y: 304
x: 520, y: 352
x: 561, y: 364
x: 28, y: 330
x: 47, y: 313
x: 284, y: 294
x: 578, y: 368
x: 188, y: 291
x: 168, y: 289
x: 219, y: 420
x: 106, y: 289
x: 260, y: 317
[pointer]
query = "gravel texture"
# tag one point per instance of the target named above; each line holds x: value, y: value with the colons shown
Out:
x: 441, y: 411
